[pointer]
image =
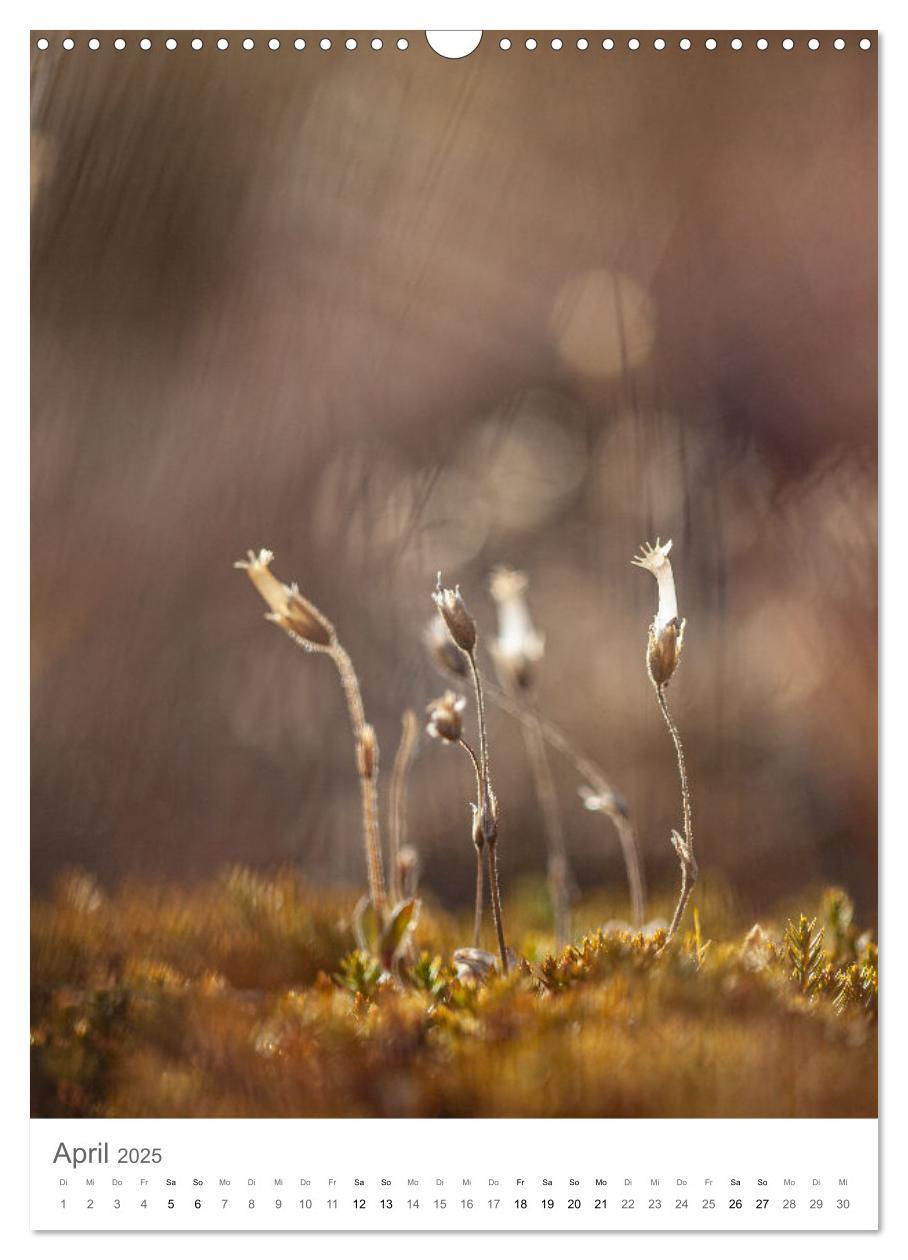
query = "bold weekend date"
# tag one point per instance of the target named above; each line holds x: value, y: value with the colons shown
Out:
x: 76, y: 1156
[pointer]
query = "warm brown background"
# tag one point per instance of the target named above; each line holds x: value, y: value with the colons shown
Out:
x: 361, y: 308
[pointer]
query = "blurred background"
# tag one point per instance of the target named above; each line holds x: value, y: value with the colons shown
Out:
x: 388, y: 314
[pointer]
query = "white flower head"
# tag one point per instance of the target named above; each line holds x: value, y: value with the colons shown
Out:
x: 666, y: 634
x: 287, y: 607
x: 461, y: 626
x: 446, y: 717
x: 656, y: 560
x: 519, y: 645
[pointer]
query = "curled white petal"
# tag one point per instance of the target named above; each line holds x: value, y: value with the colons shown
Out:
x: 656, y: 560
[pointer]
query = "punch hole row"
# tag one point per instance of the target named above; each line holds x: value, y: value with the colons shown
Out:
x: 376, y: 43
x: 222, y: 44
x: 633, y: 44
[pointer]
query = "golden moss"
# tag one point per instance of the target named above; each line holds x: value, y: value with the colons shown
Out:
x: 249, y: 998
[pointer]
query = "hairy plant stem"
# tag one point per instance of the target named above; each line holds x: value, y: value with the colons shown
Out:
x: 684, y: 848
x: 477, y: 911
x: 595, y: 777
x: 478, y: 844
x: 496, y: 905
x: 488, y: 811
x: 367, y: 769
x: 688, y: 879
x: 403, y: 759
x: 481, y: 715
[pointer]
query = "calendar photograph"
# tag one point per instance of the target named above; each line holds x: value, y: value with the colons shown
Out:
x: 454, y: 576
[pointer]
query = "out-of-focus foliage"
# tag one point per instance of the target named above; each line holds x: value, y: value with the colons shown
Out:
x: 249, y: 997
x: 392, y: 314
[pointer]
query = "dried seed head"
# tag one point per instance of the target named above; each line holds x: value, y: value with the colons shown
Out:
x: 288, y: 608
x: 461, y: 625
x: 519, y: 646
x: 445, y: 653
x: 445, y: 717
x: 666, y: 634
x: 367, y: 752
x: 663, y: 652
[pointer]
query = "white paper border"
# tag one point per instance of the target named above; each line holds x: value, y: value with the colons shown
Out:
x: 695, y: 15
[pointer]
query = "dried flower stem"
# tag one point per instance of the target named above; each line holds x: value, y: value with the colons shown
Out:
x: 462, y: 629
x: 516, y: 652
x: 478, y: 844
x: 595, y: 776
x: 488, y: 810
x: 367, y: 769
x: 313, y: 632
x: 496, y: 905
x: 558, y: 866
x: 627, y: 838
x: 403, y: 759
x: 683, y: 847
x: 481, y: 715
x: 480, y: 897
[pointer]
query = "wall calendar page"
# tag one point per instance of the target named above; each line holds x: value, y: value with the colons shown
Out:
x: 454, y: 629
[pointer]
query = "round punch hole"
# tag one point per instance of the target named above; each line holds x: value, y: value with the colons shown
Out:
x: 248, y: 44
x: 223, y: 43
x: 274, y: 44
x: 659, y: 44
x: 684, y: 44
x: 376, y: 43
x: 865, y: 44
x: 94, y: 44
x: 608, y: 44
x: 324, y: 44
x: 504, y: 44
x: 145, y: 44
x: 531, y: 44
x: 712, y: 44
x: 583, y: 44
x: 197, y: 44
x: 788, y: 44
x: 403, y: 44
x: 762, y: 44
x: 633, y: 44
x: 737, y: 44
x: 299, y: 44
x: 69, y: 44
x: 838, y: 44
x: 42, y: 44
x: 350, y: 44
x: 557, y: 44
x: 170, y: 44
x: 119, y: 44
